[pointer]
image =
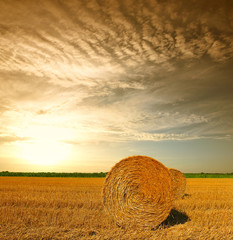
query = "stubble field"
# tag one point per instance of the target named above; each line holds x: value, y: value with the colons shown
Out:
x: 71, y: 208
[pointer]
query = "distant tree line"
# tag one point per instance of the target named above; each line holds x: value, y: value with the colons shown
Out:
x: 208, y: 175
x: 52, y: 174
x: 102, y: 174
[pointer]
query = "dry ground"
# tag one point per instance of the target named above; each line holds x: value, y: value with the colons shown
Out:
x: 70, y: 208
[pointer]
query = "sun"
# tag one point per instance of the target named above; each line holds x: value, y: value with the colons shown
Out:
x: 45, y: 147
x: 44, y: 152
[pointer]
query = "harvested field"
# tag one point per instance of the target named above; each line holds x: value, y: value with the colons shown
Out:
x: 71, y: 208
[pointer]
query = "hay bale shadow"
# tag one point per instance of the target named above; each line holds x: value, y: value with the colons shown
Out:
x: 175, y: 217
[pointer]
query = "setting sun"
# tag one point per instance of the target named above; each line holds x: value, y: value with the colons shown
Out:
x: 46, y: 147
x: 44, y: 152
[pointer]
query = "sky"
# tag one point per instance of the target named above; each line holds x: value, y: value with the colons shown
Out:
x: 84, y: 84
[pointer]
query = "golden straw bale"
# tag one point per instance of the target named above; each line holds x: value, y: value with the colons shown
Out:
x: 179, y: 183
x: 138, y: 192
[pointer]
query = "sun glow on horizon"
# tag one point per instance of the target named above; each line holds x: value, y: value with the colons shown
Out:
x: 46, y: 147
x: 44, y: 152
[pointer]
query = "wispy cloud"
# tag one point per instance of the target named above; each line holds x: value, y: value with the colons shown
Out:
x: 6, y: 139
x: 117, y: 70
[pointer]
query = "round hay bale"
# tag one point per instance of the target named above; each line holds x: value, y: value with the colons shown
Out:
x: 138, y: 191
x: 179, y: 183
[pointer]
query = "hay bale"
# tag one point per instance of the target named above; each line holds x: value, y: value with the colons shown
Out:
x: 179, y: 183
x: 138, y: 191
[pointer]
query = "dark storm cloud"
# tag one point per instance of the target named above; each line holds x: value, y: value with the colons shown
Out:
x: 153, y: 70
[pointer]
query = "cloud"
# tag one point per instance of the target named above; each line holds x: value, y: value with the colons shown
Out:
x: 42, y: 112
x: 76, y: 43
x: 118, y: 70
x: 7, y: 139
